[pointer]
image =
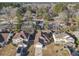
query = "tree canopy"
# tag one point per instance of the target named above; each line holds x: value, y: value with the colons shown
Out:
x: 9, y: 4
x: 58, y: 7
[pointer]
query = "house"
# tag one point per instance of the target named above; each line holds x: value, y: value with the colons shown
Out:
x: 58, y: 40
x: 7, y: 12
x: 77, y: 13
x: 39, y: 23
x: 19, y: 37
x: 63, y: 15
x: 72, y: 23
x: 46, y: 37
x: 4, y: 38
x: 5, y: 24
x: 3, y: 11
x: 76, y: 33
x: 57, y: 24
x: 71, y: 6
x: 33, y: 15
x: 62, y: 38
x: 71, y: 9
x: 69, y: 39
x: 3, y: 27
x: 53, y: 26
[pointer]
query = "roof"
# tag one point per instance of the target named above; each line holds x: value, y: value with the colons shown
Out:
x: 60, y: 35
x: 4, y: 37
x: 46, y: 31
x: 38, y: 19
x: 1, y: 38
x: 19, y: 34
x: 76, y: 33
x: 64, y: 36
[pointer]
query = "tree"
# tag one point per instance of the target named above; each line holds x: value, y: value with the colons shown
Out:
x: 19, y: 22
x: 39, y: 12
x: 58, y: 7
x: 43, y: 13
x: 9, y: 4
x: 29, y: 14
x: 74, y: 37
x: 46, y: 16
x: 77, y: 19
x: 76, y: 6
x: 77, y: 41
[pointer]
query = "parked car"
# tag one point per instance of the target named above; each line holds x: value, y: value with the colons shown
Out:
x: 22, y: 51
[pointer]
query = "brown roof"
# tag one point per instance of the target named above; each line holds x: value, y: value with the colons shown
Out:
x: 5, y: 35
x: 19, y: 34
x: 16, y: 35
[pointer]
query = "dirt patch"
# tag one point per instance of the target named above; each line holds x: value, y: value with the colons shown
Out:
x: 51, y: 50
x: 9, y: 50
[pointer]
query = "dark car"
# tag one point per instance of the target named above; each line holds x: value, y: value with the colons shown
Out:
x: 18, y: 50
x: 22, y: 51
